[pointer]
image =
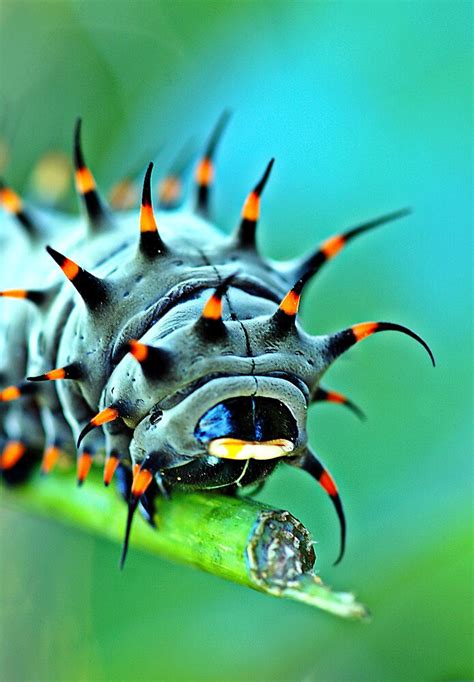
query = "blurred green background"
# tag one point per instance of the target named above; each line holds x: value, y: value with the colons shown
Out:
x: 366, y: 107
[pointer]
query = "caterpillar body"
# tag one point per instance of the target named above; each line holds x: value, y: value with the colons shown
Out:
x: 181, y: 343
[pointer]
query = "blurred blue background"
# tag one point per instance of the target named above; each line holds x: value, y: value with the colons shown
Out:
x: 366, y: 107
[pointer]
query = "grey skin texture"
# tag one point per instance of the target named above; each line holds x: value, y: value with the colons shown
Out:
x: 159, y: 302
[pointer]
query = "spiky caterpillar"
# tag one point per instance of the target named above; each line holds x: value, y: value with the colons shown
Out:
x: 184, y: 347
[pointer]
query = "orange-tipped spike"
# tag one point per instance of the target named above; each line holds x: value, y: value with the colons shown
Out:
x: 86, y: 186
x: 12, y: 453
x: 205, y: 167
x: 285, y: 316
x: 124, y: 195
x: 50, y: 457
x: 132, y: 507
x: 141, y: 480
x: 110, y: 467
x: 334, y: 397
x: 154, y: 361
x: 213, y: 308
x: 84, y: 181
x: 84, y: 464
x: 291, y: 303
x: 251, y: 212
x: 10, y: 393
x: 37, y: 297
x: 105, y: 416
x: 10, y: 201
x: 92, y: 289
x: 13, y: 204
x: 364, y: 329
x: 55, y: 374
x: 333, y: 245
x: 321, y: 395
x: 70, y: 269
x: 151, y: 243
x: 310, y: 265
x: 140, y: 351
x: 170, y: 191
x: 71, y: 371
x: 327, y: 482
x: 314, y: 467
x: 15, y: 293
x: 205, y: 172
x: 14, y: 392
x: 341, y: 341
x: 170, y: 188
x: 251, y: 209
x: 147, y: 219
x: 68, y: 266
x: 212, y: 311
x: 109, y: 414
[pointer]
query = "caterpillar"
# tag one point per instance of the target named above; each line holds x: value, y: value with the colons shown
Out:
x: 178, y: 351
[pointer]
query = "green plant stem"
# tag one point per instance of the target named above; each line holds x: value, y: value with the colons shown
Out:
x: 235, y: 538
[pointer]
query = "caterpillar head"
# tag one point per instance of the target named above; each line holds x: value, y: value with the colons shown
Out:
x: 199, y: 391
x: 236, y: 418
x: 234, y: 406
x: 226, y: 403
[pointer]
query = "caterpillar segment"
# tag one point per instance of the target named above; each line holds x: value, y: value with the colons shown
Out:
x: 185, y: 362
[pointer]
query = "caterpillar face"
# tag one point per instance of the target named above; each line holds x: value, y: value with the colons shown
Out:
x: 252, y: 410
x: 181, y: 355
